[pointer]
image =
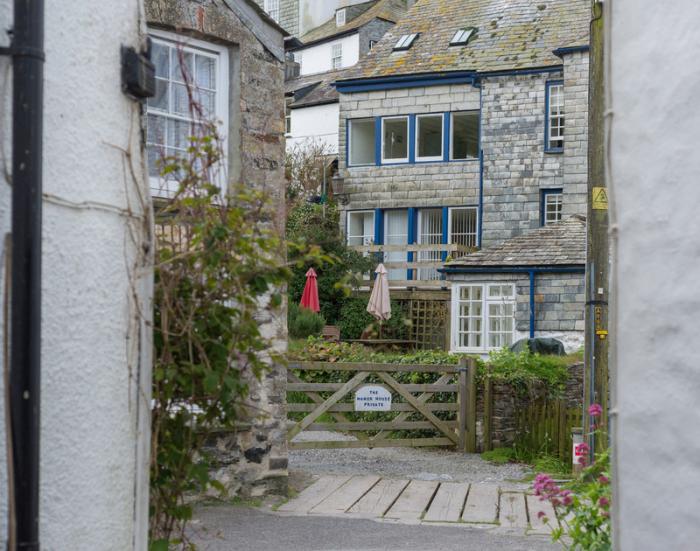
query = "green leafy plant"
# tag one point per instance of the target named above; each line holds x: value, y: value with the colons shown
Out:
x: 219, y: 267
x: 582, y: 506
x: 303, y: 323
x: 339, y: 269
x: 354, y: 320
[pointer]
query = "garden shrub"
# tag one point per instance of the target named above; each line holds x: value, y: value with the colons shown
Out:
x: 337, y: 271
x: 303, y: 323
x: 354, y: 319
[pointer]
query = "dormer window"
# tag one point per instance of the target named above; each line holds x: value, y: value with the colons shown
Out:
x: 405, y: 42
x: 463, y: 36
x: 340, y: 18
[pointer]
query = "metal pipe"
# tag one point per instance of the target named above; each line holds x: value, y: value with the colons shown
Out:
x: 25, y: 318
x: 532, y: 303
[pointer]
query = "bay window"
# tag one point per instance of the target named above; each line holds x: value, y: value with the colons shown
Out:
x: 483, y: 316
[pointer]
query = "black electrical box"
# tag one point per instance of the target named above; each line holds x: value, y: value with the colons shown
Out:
x: 138, y: 73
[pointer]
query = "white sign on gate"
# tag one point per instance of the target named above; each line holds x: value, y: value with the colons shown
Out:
x: 372, y: 398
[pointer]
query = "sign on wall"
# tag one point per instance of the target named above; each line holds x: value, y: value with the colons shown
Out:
x: 372, y: 398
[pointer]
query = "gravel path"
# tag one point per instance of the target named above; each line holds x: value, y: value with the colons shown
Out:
x: 415, y: 463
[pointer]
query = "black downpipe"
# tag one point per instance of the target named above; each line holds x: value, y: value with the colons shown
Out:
x: 25, y: 318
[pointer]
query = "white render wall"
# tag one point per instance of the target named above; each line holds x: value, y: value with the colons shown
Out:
x: 313, y: 13
x: 95, y: 351
x: 655, y: 165
x: 318, y: 123
x: 318, y: 59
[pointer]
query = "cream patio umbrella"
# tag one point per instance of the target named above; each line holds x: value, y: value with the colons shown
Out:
x: 379, y: 303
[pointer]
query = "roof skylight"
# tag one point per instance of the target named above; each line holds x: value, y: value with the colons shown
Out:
x: 463, y: 36
x: 405, y: 42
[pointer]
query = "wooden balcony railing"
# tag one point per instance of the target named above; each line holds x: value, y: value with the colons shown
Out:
x: 421, y: 270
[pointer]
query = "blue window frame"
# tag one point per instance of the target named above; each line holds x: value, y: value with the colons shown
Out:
x: 551, y: 205
x: 554, y: 117
x: 413, y: 138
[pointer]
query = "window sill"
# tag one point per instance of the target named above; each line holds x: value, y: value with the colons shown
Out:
x: 555, y: 151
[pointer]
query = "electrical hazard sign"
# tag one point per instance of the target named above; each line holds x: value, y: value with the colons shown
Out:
x: 600, y: 198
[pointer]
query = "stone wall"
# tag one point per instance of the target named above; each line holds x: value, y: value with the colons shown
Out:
x: 516, y: 165
x: 507, y: 401
x: 559, y: 304
x: 252, y: 460
x: 374, y: 30
x: 289, y: 15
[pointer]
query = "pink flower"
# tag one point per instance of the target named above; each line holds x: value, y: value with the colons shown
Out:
x: 567, y: 501
x: 540, y: 514
x: 595, y: 410
x: 603, y: 479
x: 604, y: 502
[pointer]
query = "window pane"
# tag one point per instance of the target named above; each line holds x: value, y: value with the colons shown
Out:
x: 430, y: 136
x: 160, y: 100
x: 206, y: 72
x: 465, y: 135
x: 360, y: 228
x: 429, y: 233
x: 462, y: 228
x: 155, y: 130
x: 180, y: 72
x: 362, y: 142
x: 396, y: 233
x: 179, y: 133
x: 181, y: 100
x: 395, y: 139
x: 556, y: 115
x: 161, y: 59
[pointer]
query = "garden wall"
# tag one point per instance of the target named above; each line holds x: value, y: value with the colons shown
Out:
x: 507, y: 403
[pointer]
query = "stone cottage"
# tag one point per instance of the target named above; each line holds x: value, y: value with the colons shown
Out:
x: 465, y: 128
x: 235, y: 53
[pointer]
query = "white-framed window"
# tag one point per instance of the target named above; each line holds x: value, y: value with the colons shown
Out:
x: 272, y: 7
x: 483, y: 316
x: 360, y: 230
x: 462, y: 227
x: 340, y: 18
x: 552, y: 203
x: 429, y: 138
x: 372, y: 44
x: 337, y: 56
x: 288, y: 116
x: 297, y: 58
x: 395, y: 139
x: 463, y: 36
x: 405, y: 42
x: 361, y: 142
x: 555, y: 116
x: 464, y: 130
x: 170, y: 121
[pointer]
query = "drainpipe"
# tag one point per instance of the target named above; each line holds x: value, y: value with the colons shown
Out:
x: 531, y: 273
x: 25, y: 318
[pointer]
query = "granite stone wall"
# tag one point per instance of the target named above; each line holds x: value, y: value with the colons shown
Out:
x: 254, y: 459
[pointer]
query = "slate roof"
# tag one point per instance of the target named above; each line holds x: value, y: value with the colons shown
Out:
x: 389, y: 10
x: 562, y: 243
x: 512, y: 34
x: 314, y: 89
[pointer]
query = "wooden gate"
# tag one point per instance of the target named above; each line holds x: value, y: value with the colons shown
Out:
x: 445, y: 407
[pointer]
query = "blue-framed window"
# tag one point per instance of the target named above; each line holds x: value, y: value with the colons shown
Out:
x: 551, y: 206
x: 425, y: 226
x: 413, y: 138
x: 554, y: 116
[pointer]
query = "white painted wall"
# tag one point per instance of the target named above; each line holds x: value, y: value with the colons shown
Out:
x: 655, y: 165
x: 315, y: 124
x: 313, y: 13
x: 95, y: 351
x: 317, y: 59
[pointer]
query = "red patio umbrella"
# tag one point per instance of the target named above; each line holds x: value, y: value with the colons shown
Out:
x: 309, y: 298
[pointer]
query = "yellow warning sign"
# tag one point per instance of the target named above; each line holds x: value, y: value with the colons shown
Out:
x: 600, y: 198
